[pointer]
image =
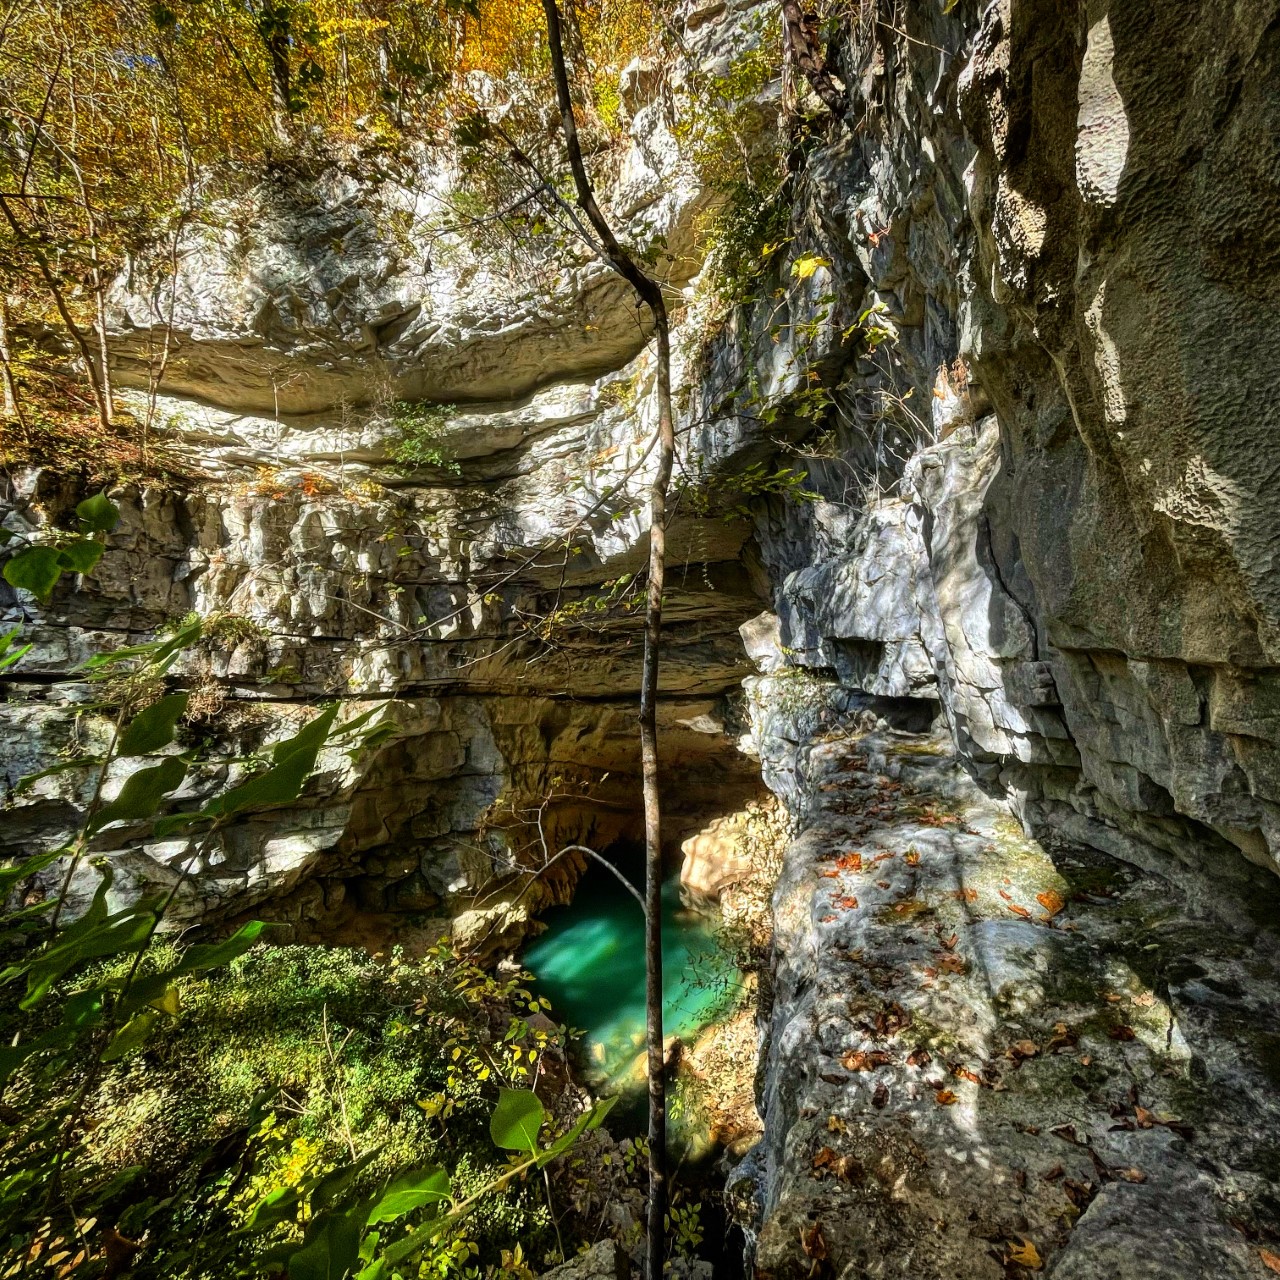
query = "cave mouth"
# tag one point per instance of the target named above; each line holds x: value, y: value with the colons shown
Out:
x: 589, y: 962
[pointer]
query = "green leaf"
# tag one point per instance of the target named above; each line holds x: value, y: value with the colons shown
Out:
x: 516, y: 1120
x: 81, y: 555
x: 10, y: 876
x: 591, y: 1119
x: 7, y: 659
x: 131, y: 1036
x: 122, y: 934
x: 294, y: 760
x: 326, y: 1189
x: 332, y: 1253
x: 197, y: 959
x: 98, y: 514
x: 153, y: 728
x: 278, y: 1206
x: 37, y: 569
x: 141, y: 794
x: 409, y: 1192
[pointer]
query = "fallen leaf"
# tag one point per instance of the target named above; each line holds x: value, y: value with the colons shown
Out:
x: 1064, y: 1037
x: 1004, y: 895
x: 1052, y: 902
x: 850, y: 862
x: 952, y: 964
x: 1144, y: 1000
x: 1019, y: 911
x: 1129, y: 1174
x: 827, y: 919
x: 965, y: 895
x: 919, y: 1057
x: 865, y: 1060
x: 1053, y: 1174
x: 1121, y: 1032
x: 945, y: 1098
x: 1025, y: 1254
x: 813, y: 1242
x: 1144, y: 1117
x: 836, y: 1124
x: 829, y: 875
x: 950, y: 943
x: 881, y: 1095
x: 1270, y: 1260
x: 1111, y: 997
x: 911, y: 858
x: 1021, y: 1049
x: 883, y: 884
x: 964, y: 1073
x: 846, y: 901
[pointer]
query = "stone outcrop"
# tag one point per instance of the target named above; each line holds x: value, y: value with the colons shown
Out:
x: 1016, y: 338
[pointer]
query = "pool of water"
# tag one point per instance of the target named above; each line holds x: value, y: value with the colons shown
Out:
x: 590, y: 965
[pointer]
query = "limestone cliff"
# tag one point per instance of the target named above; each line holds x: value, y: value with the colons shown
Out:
x: 1017, y: 339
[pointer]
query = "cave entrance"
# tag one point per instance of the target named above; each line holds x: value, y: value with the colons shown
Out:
x: 589, y: 963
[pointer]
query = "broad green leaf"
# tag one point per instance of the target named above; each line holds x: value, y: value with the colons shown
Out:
x: 516, y: 1120
x: 141, y: 794
x: 333, y: 1252
x: 324, y: 1190
x: 409, y: 1192
x: 153, y: 727
x: 98, y: 514
x: 37, y: 569
x: 122, y: 934
x: 168, y: 1001
x: 283, y: 782
x: 131, y: 1036
x: 81, y: 555
x: 278, y: 1206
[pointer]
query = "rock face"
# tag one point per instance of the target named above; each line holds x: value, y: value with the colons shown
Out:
x: 1017, y: 340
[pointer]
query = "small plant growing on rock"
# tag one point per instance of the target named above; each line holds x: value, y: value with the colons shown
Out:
x: 419, y: 432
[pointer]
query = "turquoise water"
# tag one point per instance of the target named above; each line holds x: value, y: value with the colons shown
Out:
x: 590, y: 965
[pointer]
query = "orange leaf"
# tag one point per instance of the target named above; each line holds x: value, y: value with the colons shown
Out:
x: 965, y: 895
x: 911, y: 858
x: 1270, y: 1260
x: 1025, y: 1255
x: 945, y: 1098
x: 1052, y: 902
x: 1019, y: 911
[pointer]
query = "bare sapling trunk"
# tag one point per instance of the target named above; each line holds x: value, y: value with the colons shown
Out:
x: 12, y: 404
x: 650, y: 293
x: 801, y: 43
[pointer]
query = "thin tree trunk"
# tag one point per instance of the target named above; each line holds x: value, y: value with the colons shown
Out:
x: 650, y: 293
x: 12, y: 405
x: 64, y: 311
x: 809, y: 59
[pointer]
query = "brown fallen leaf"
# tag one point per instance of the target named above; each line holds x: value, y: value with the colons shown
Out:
x: 911, y: 858
x: 880, y: 1098
x: 919, y: 1057
x: 1270, y: 1260
x: 1022, y: 1049
x: 1121, y: 1032
x: 1064, y: 1037
x: 963, y: 1073
x: 945, y: 1098
x: 865, y: 1060
x: 965, y: 895
x: 952, y: 964
x: 813, y: 1242
x: 949, y: 943
x: 1129, y: 1174
x: 846, y: 901
x: 884, y: 884
x: 1024, y: 1254
x: 1053, y: 1174
x: 833, y: 874
x: 1052, y: 901
x: 1019, y: 911
x: 1144, y: 1117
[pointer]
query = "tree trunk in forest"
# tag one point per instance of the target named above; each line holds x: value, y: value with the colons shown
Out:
x: 801, y: 48
x: 12, y: 405
x: 650, y: 293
